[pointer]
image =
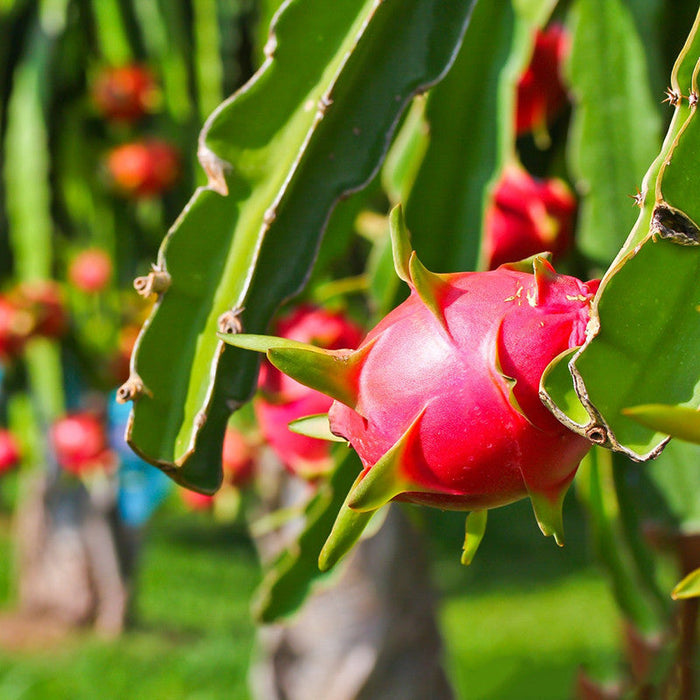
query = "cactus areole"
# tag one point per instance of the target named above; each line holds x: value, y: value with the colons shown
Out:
x: 440, y: 400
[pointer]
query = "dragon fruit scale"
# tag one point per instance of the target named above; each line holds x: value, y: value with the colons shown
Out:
x: 440, y: 400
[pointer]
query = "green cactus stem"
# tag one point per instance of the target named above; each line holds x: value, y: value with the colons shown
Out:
x: 328, y: 115
x: 642, y: 339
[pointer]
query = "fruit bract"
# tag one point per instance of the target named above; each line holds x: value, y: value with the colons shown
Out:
x: 282, y: 400
x: 527, y: 216
x: 441, y: 399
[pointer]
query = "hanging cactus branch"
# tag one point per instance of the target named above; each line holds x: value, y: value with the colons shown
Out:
x: 645, y: 325
x: 324, y: 134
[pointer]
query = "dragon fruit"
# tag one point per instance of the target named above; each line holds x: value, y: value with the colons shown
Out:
x: 441, y: 399
x: 10, y: 453
x: 527, y: 216
x: 541, y: 94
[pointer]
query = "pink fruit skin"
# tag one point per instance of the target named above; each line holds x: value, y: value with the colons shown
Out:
x: 15, y: 327
x: 541, y: 94
x: 9, y: 451
x: 144, y: 169
x: 471, y: 447
x: 43, y: 301
x: 282, y: 399
x: 238, y: 458
x: 80, y: 443
x: 125, y: 93
x: 90, y: 270
x: 528, y: 216
x: 196, y: 501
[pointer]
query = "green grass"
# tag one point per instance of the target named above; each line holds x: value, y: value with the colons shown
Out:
x: 193, y: 636
x: 517, y: 623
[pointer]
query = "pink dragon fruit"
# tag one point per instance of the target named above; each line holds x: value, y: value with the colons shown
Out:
x: 541, y: 94
x: 527, y: 216
x: 282, y: 400
x: 10, y: 453
x: 441, y: 399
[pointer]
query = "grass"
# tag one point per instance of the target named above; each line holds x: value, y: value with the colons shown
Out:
x: 193, y: 636
x: 517, y: 623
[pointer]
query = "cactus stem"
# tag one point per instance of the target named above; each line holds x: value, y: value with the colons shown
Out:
x: 637, y: 198
x: 132, y: 389
x: 324, y: 103
x: 673, y: 225
x: 156, y: 281
x: 597, y: 434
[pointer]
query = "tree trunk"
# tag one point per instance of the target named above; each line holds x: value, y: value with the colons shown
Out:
x: 372, y: 633
x: 73, y: 556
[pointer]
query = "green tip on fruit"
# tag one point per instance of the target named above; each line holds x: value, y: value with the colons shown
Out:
x: 527, y: 264
x: 474, y: 532
x: 544, y: 274
x: 347, y: 530
x: 431, y: 288
x: 332, y: 372
x: 315, y: 426
x: 384, y: 480
x: 400, y: 243
x: 548, y: 513
x: 689, y: 587
x: 682, y: 422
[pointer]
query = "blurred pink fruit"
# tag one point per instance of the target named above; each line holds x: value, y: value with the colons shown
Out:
x: 281, y: 399
x: 90, y: 270
x: 125, y: 93
x: 80, y: 444
x: 144, y: 168
x: 527, y: 216
x: 541, y: 94
x: 9, y: 451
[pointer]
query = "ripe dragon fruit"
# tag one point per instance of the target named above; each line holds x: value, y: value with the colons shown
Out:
x: 440, y: 400
x: 80, y: 444
x: 10, y: 452
x: 541, y: 93
x: 125, y: 93
x: 143, y: 169
x: 526, y: 216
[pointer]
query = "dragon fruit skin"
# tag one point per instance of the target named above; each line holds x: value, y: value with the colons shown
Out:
x: 526, y: 216
x: 541, y: 94
x: 441, y: 399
